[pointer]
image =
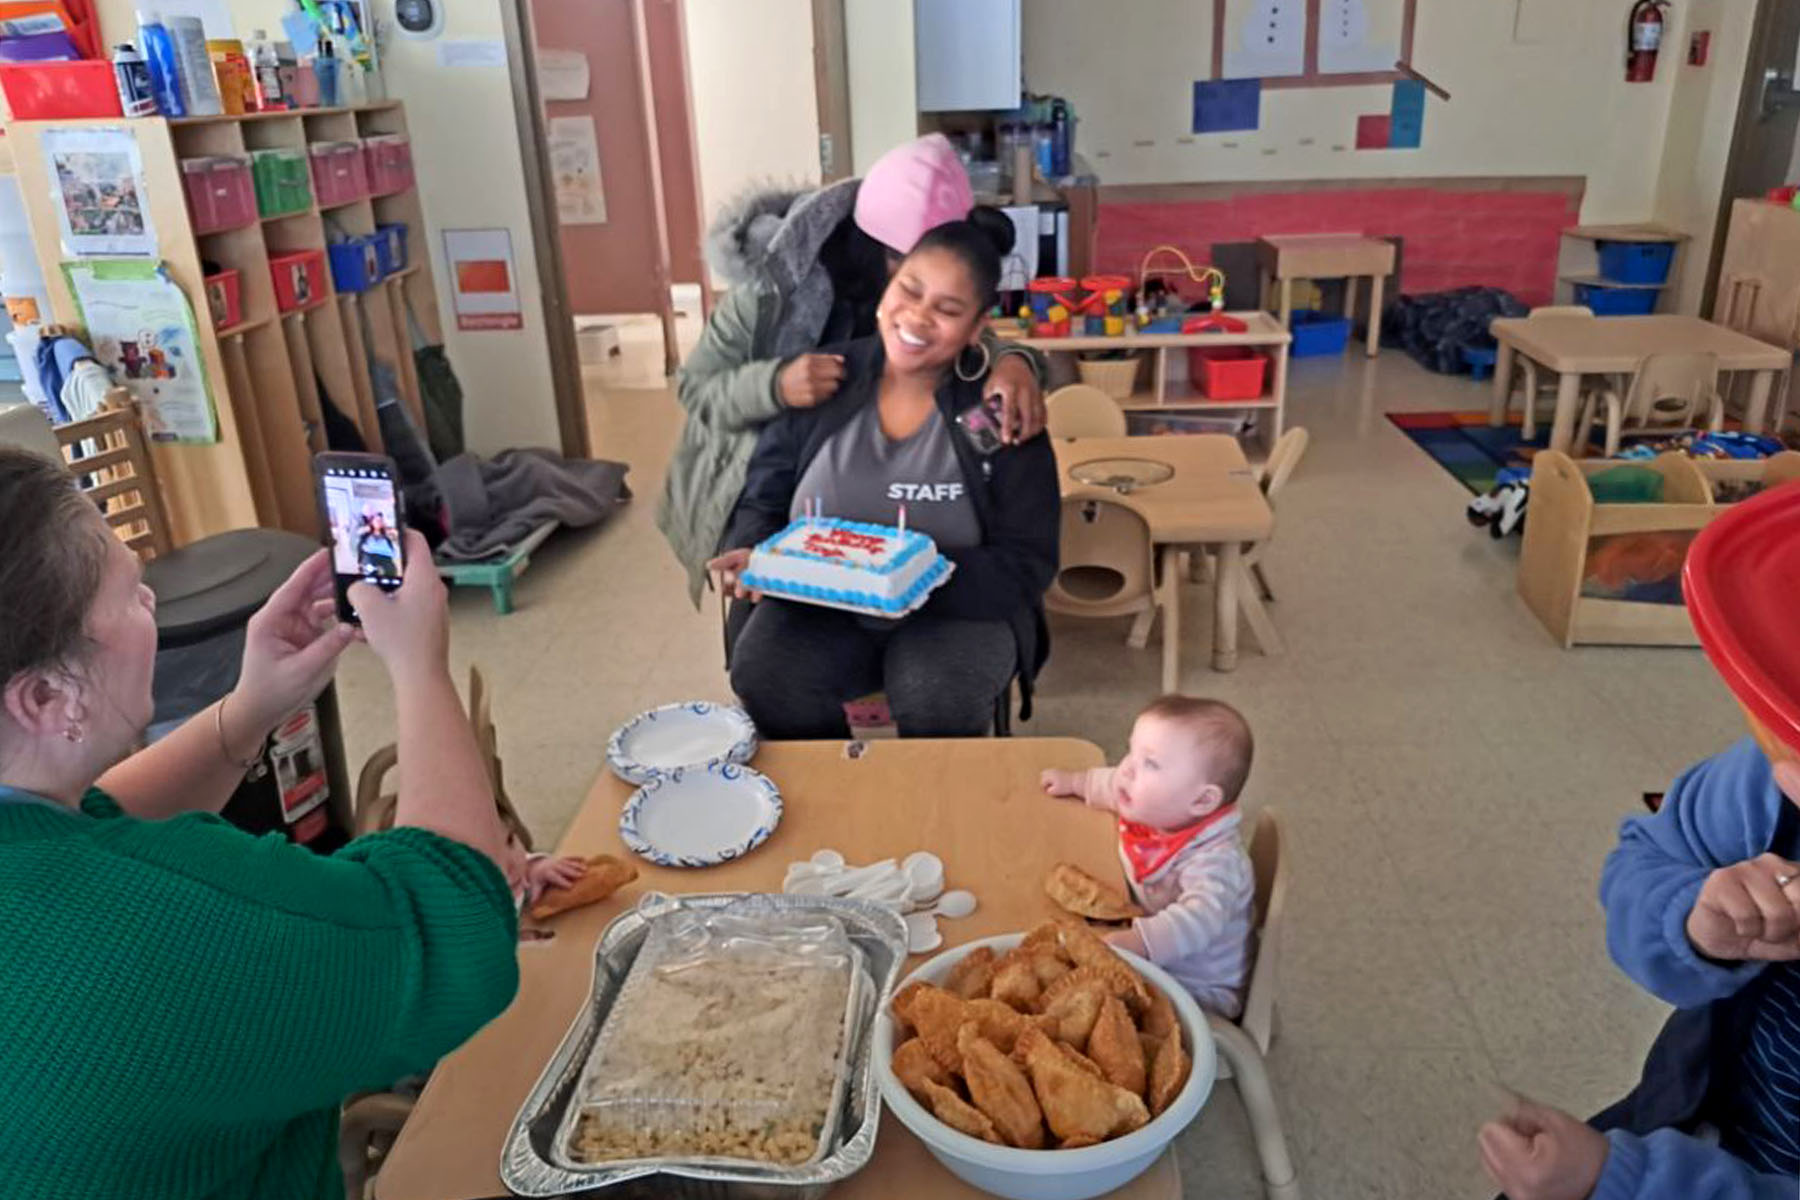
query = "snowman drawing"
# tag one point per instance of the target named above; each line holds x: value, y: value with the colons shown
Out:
x: 1344, y: 43
x: 1272, y: 41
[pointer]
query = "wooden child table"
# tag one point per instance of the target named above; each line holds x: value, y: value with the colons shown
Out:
x: 1284, y: 258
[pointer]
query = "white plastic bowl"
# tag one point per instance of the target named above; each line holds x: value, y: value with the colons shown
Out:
x: 1049, y: 1174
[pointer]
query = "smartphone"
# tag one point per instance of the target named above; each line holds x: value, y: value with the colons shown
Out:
x: 981, y: 425
x: 359, y: 507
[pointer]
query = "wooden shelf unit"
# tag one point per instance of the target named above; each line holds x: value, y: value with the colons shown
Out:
x: 1171, y: 390
x: 266, y: 371
x: 1578, y: 259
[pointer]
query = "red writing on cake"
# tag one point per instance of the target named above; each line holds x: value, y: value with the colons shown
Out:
x: 834, y: 543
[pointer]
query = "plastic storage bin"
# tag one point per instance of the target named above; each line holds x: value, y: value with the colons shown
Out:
x: 54, y: 91
x: 224, y: 298
x: 1227, y: 372
x: 390, y: 245
x: 299, y: 279
x: 1616, y: 301
x: 338, y: 174
x: 389, y: 158
x: 283, y: 184
x: 355, y: 264
x: 220, y: 192
x: 1317, y: 334
x: 1636, y: 262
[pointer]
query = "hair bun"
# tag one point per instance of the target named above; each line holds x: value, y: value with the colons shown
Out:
x: 997, y: 226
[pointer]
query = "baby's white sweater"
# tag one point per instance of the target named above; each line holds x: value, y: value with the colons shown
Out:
x: 1201, y: 904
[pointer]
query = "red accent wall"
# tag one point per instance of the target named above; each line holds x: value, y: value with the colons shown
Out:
x: 1499, y: 238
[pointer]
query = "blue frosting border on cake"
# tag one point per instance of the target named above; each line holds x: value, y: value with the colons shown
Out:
x: 912, y: 542
x: 898, y: 604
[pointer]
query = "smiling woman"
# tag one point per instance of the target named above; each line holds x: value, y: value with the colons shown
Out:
x: 897, y: 432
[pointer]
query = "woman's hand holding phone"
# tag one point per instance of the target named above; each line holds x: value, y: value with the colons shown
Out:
x: 409, y: 627
x: 291, y: 648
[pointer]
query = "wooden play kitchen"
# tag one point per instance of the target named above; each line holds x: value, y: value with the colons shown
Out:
x: 1210, y: 499
x: 1577, y: 347
x: 317, y: 233
x: 1350, y: 257
x: 978, y: 804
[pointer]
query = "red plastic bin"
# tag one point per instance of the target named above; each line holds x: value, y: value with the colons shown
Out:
x: 389, y: 160
x: 54, y: 91
x: 1227, y: 372
x: 338, y: 173
x: 299, y: 279
x: 224, y: 298
x: 220, y: 192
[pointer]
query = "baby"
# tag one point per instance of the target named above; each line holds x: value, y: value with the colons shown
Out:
x: 531, y: 875
x: 1176, y: 797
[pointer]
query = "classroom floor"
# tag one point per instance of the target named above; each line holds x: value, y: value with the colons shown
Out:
x: 1451, y: 780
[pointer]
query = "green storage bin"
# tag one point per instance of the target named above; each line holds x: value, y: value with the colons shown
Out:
x: 283, y: 181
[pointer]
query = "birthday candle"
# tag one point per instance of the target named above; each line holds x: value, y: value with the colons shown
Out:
x: 903, y: 518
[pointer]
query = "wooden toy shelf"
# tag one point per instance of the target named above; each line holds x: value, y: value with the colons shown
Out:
x: 267, y: 371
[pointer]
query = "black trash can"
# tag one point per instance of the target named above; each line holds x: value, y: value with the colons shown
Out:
x: 206, y: 594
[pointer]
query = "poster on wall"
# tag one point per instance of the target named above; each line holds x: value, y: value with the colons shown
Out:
x: 1265, y: 38
x: 97, y: 183
x: 575, y: 165
x: 484, y: 286
x: 1359, y: 35
x: 142, y: 330
x: 562, y: 74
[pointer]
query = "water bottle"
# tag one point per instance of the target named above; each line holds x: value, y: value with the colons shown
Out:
x: 1061, y: 138
x: 265, y: 68
x: 136, y: 94
x: 325, y: 66
x: 158, y: 49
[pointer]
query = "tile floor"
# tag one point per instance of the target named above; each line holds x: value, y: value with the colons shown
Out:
x: 1451, y: 780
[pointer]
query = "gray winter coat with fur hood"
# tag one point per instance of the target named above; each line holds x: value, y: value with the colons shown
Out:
x: 766, y: 248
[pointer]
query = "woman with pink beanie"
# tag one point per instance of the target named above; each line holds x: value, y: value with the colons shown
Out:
x: 806, y: 270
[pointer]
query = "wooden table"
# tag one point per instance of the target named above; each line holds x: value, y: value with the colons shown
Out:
x: 1575, y: 347
x: 976, y: 803
x: 1213, y: 499
x: 1286, y: 257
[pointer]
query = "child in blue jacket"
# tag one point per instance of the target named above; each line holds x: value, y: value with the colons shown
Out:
x: 1703, y: 909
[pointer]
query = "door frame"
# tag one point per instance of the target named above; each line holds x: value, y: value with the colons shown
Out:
x: 540, y: 198
x: 831, y: 81
x: 1749, y: 110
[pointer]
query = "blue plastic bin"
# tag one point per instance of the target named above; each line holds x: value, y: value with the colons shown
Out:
x: 1636, y: 262
x: 355, y: 264
x: 1317, y: 334
x: 1616, y: 301
x: 390, y: 246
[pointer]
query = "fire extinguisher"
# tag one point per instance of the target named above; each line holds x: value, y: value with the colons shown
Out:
x: 1643, y: 39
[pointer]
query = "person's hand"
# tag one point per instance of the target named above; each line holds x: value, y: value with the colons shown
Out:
x: 542, y: 874
x: 728, y: 568
x: 408, y: 628
x: 291, y: 648
x: 1061, y: 783
x: 1743, y: 912
x: 810, y: 379
x: 1128, y: 939
x: 1540, y: 1153
x: 1015, y: 385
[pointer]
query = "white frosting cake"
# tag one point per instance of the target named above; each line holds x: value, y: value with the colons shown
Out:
x: 847, y: 564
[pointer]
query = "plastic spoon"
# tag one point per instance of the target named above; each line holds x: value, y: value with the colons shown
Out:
x: 953, y: 904
x: 922, y: 933
x: 924, y: 875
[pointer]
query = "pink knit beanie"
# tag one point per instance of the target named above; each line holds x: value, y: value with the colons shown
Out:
x: 910, y: 189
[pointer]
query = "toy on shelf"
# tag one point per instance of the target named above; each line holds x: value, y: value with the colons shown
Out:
x: 1105, y: 303
x: 1156, y: 303
x: 1051, y: 304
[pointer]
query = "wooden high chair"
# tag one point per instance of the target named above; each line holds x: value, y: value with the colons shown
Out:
x: 110, y: 459
x: 1083, y: 410
x: 1537, y: 388
x: 1108, y: 566
x: 1668, y: 393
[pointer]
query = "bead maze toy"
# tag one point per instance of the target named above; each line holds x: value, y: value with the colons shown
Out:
x: 1211, y: 278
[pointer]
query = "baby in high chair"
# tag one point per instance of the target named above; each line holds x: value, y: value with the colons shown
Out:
x: 1176, y: 794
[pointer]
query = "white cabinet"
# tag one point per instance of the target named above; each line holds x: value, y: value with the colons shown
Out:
x: 968, y: 54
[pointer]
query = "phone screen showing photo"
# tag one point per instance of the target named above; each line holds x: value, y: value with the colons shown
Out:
x: 362, y: 510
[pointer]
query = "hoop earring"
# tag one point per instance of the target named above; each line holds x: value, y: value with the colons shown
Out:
x: 987, y: 362
x: 74, y: 734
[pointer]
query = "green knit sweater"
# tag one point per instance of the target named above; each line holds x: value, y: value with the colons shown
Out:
x: 183, y: 1006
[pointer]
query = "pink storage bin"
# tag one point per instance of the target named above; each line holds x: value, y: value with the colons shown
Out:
x: 220, y: 192
x: 338, y: 174
x: 389, y: 159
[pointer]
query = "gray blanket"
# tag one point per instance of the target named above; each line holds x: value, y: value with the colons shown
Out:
x: 492, y: 504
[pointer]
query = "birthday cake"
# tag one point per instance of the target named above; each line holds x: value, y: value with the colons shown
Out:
x: 847, y: 564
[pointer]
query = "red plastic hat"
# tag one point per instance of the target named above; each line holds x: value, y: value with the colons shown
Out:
x: 1742, y: 582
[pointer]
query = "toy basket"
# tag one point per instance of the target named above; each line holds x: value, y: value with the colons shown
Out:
x: 1117, y: 377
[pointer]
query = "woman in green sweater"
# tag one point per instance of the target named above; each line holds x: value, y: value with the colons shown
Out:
x: 185, y: 1006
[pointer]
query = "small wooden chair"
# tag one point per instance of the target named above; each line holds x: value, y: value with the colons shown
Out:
x: 1536, y: 388
x: 1668, y: 392
x: 111, y: 462
x: 1108, y: 566
x: 1083, y: 410
x: 1290, y: 447
x: 1243, y: 1044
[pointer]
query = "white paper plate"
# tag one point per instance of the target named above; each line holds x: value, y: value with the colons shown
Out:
x: 695, y: 733
x: 697, y: 817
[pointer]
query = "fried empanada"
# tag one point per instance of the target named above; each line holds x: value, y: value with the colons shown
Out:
x: 1016, y: 982
x: 1074, y: 1010
x: 1074, y: 890
x: 1077, y: 1105
x: 1046, y: 935
x: 1000, y: 1090
x: 1115, y: 1048
x: 1168, y: 1073
x: 973, y: 975
x: 914, y: 1067
x: 605, y: 875
x: 959, y: 1114
x: 1049, y: 967
x: 1089, y: 952
x: 935, y: 1015
x: 1158, y: 1018
x: 1002, y: 1024
x: 1079, y: 1059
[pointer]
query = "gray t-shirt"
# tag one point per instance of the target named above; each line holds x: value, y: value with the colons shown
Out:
x: 862, y: 474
